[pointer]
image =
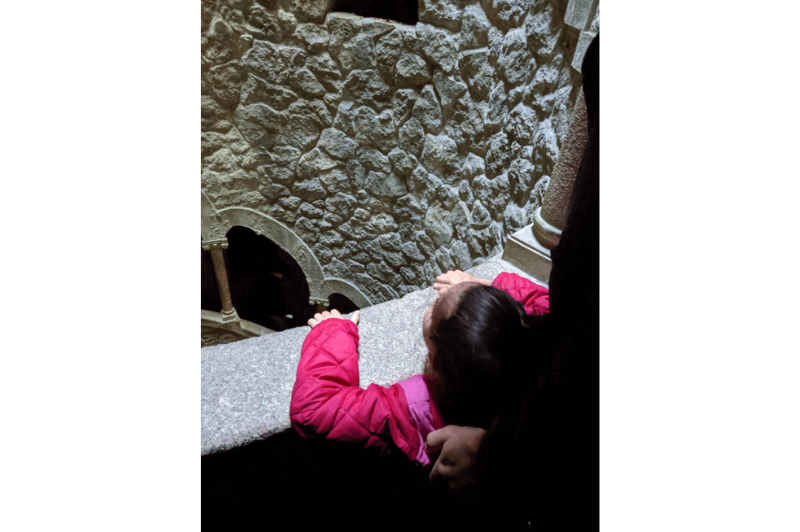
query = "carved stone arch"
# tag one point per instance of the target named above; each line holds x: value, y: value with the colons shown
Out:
x: 346, y: 288
x: 217, y: 223
x: 211, y: 227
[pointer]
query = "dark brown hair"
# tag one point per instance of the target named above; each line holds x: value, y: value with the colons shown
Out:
x: 481, y: 352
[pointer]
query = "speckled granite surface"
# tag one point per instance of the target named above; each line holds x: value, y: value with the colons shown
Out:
x: 246, y: 386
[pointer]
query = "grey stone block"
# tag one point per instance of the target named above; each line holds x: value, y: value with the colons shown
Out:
x: 474, y: 28
x: 445, y: 13
x: 437, y: 45
x: 506, y: 14
x: 584, y: 41
x: 579, y: 12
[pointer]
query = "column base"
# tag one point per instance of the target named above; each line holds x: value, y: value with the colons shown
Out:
x: 229, y: 316
x: 322, y: 305
x: 526, y: 253
x: 547, y: 235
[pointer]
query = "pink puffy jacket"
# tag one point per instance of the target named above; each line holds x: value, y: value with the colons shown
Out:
x: 327, y: 400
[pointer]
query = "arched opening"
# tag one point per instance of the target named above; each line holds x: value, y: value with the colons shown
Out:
x: 342, y: 303
x: 403, y: 11
x: 267, y: 285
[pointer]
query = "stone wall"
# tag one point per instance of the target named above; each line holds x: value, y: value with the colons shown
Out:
x: 393, y: 152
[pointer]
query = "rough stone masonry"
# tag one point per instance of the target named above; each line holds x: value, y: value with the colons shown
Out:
x: 394, y: 152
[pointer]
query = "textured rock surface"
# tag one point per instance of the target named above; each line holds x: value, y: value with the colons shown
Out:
x: 392, y: 151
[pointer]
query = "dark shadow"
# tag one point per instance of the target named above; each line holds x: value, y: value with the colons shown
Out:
x: 403, y: 11
x: 267, y: 285
x: 209, y: 290
x: 342, y: 303
x: 289, y: 483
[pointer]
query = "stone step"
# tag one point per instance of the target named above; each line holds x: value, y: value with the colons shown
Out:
x: 523, y: 251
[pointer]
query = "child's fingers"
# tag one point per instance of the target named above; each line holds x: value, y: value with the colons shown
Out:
x: 452, y: 277
x: 443, y: 278
x: 315, y: 320
x: 449, y: 275
x: 322, y: 316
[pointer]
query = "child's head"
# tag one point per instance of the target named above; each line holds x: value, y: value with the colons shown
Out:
x: 473, y: 332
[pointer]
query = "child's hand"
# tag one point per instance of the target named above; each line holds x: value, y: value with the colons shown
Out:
x: 320, y: 317
x: 453, y: 277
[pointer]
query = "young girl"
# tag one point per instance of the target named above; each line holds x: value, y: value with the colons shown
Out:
x: 473, y: 330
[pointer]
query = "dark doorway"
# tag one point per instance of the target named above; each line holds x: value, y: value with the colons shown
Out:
x: 267, y: 285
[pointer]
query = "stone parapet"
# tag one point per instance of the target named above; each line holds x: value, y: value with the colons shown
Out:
x: 246, y: 386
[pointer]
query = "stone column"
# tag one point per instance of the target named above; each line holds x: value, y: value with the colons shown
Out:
x: 550, y: 218
x: 215, y: 247
x: 529, y: 248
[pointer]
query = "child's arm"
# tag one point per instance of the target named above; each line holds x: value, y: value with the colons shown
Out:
x: 453, y: 277
x: 533, y: 297
x: 327, y: 401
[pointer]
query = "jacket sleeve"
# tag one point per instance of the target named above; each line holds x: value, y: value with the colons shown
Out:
x: 533, y: 297
x: 327, y: 401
